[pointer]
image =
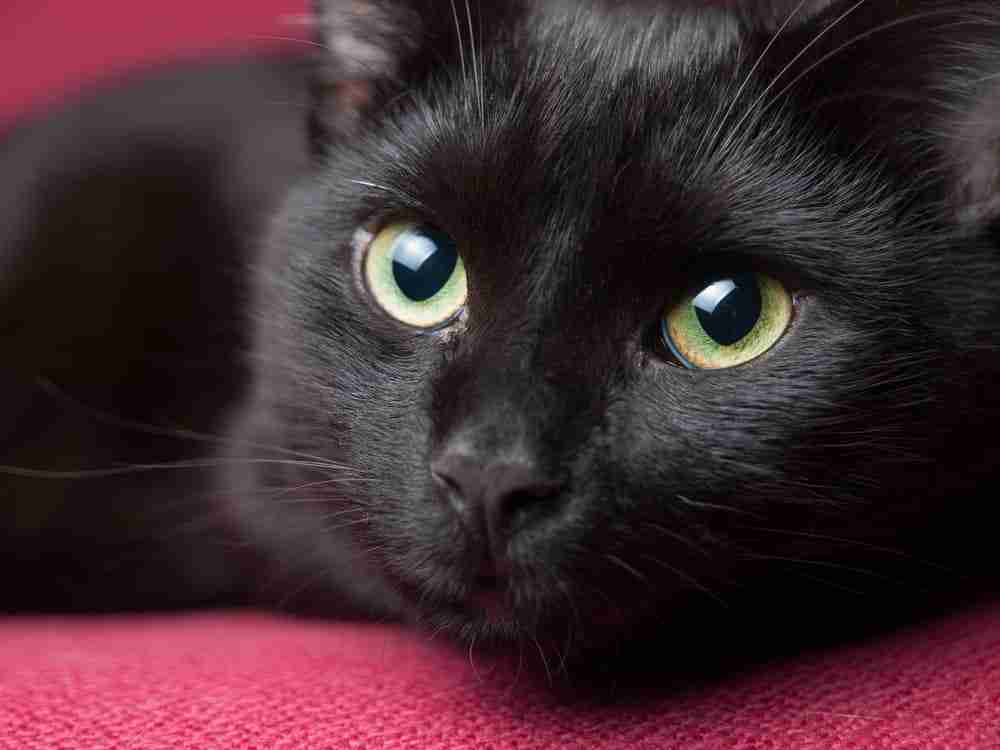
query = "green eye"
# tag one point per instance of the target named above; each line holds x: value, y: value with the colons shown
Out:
x: 729, y: 321
x: 415, y: 274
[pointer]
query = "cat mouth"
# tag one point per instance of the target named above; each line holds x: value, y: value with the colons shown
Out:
x: 489, y: 598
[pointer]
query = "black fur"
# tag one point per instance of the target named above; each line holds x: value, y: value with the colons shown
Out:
x: 592, y: 160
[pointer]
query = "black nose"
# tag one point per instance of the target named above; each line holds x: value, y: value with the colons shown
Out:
x: 495, y: 497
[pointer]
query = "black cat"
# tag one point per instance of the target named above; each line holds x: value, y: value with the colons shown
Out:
x: 579, y: 316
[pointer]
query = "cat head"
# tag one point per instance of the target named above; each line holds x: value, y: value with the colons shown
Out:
x: 606, y: 305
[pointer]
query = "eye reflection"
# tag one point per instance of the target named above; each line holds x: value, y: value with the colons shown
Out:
x: 732, y: 319
x: 415, y: 274
x: 422, y: 262
x: 730, y: 308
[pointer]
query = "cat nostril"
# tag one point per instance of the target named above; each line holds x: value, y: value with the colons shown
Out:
x: 516, y: 499
x: 497, y: 498
x: 518, y: 506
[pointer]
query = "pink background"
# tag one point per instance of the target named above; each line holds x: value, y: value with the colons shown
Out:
x: 48, y: 47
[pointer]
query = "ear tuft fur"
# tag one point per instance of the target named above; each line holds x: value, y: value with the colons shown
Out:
x: 366, y: 39
x: 364, y: 43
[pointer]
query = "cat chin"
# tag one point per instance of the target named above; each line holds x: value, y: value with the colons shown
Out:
x: 467, y: 615
x: 494, y: 622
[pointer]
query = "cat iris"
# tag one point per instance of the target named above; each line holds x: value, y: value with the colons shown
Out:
x: 729, y: 321
x: 414, y: 272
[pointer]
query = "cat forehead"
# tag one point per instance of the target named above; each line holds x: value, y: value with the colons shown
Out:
x: 604, y: 148
x: 569, y: 97
x: 567, y: 119
x: 617, y: 38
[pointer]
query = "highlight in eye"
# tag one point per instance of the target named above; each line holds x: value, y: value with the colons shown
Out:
x: 729, y: 321
x: 414, y: 272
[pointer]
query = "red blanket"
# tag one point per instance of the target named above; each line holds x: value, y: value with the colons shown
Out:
x: 245, y: 682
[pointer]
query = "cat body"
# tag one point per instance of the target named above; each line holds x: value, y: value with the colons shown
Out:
x: 533, y: 452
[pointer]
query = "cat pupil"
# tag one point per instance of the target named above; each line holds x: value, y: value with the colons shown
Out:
x: 422, y: 262
x: 728, y: 309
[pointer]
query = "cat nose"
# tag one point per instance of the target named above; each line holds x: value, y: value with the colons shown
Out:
x: 497, y: 497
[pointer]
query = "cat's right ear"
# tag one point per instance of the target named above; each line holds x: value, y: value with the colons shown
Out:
x: 373, y: 49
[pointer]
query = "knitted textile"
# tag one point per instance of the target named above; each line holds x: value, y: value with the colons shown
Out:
x: 254, y: 682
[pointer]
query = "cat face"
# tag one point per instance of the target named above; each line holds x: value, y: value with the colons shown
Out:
x: 600, y: 318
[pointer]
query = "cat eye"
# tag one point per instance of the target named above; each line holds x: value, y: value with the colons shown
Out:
x: 730, y: 320
x: 414, y: 272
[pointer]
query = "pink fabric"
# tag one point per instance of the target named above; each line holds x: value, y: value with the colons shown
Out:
x: 253, y: 682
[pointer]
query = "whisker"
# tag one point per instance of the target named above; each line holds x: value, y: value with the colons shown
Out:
x: 322, y: 483
x: 102, y: 417
x: 754, y: 106
x: 853, y: 40
x: 831, y: 566
x: 346, y: 525
x: 715, y: 506
x: 853, y: 542
x: 688, y: 578
x: 574, y: 623
x: 828, y: 583
x: 344, y: 512
x: 476, y: 72
x: 691, y: 544
x: 520, y: 667
x: 472, y: 661
x: 545, y: 662
x: 746, y: 80
x: 278, y: 38
x: 390, y: 191
x: 308, y: 501
x: 28, y: 473
x: 626, y: 567
x: 461, y: 40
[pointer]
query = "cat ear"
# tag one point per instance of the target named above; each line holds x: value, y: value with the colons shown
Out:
x: 915, y: 82
x: 364, y: 43
x: 373, y: 49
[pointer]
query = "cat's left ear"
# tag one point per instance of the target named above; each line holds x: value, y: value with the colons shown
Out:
x: 373, y: 49
x: 363, y: 44
x: 917, y: 82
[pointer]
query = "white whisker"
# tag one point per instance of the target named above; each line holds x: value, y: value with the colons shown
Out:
x: 476, y: 71
x: 754, y: 106
x: 853, y: 40
x: 626, y: 567
x: 687, y: 578
x: 461, y: 40
x: 746, y: 80
x: 296, y: 39
x: 29, y: 473
x: 545, y: 662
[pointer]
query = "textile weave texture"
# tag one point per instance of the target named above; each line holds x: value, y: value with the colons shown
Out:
x: 255, y: 682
